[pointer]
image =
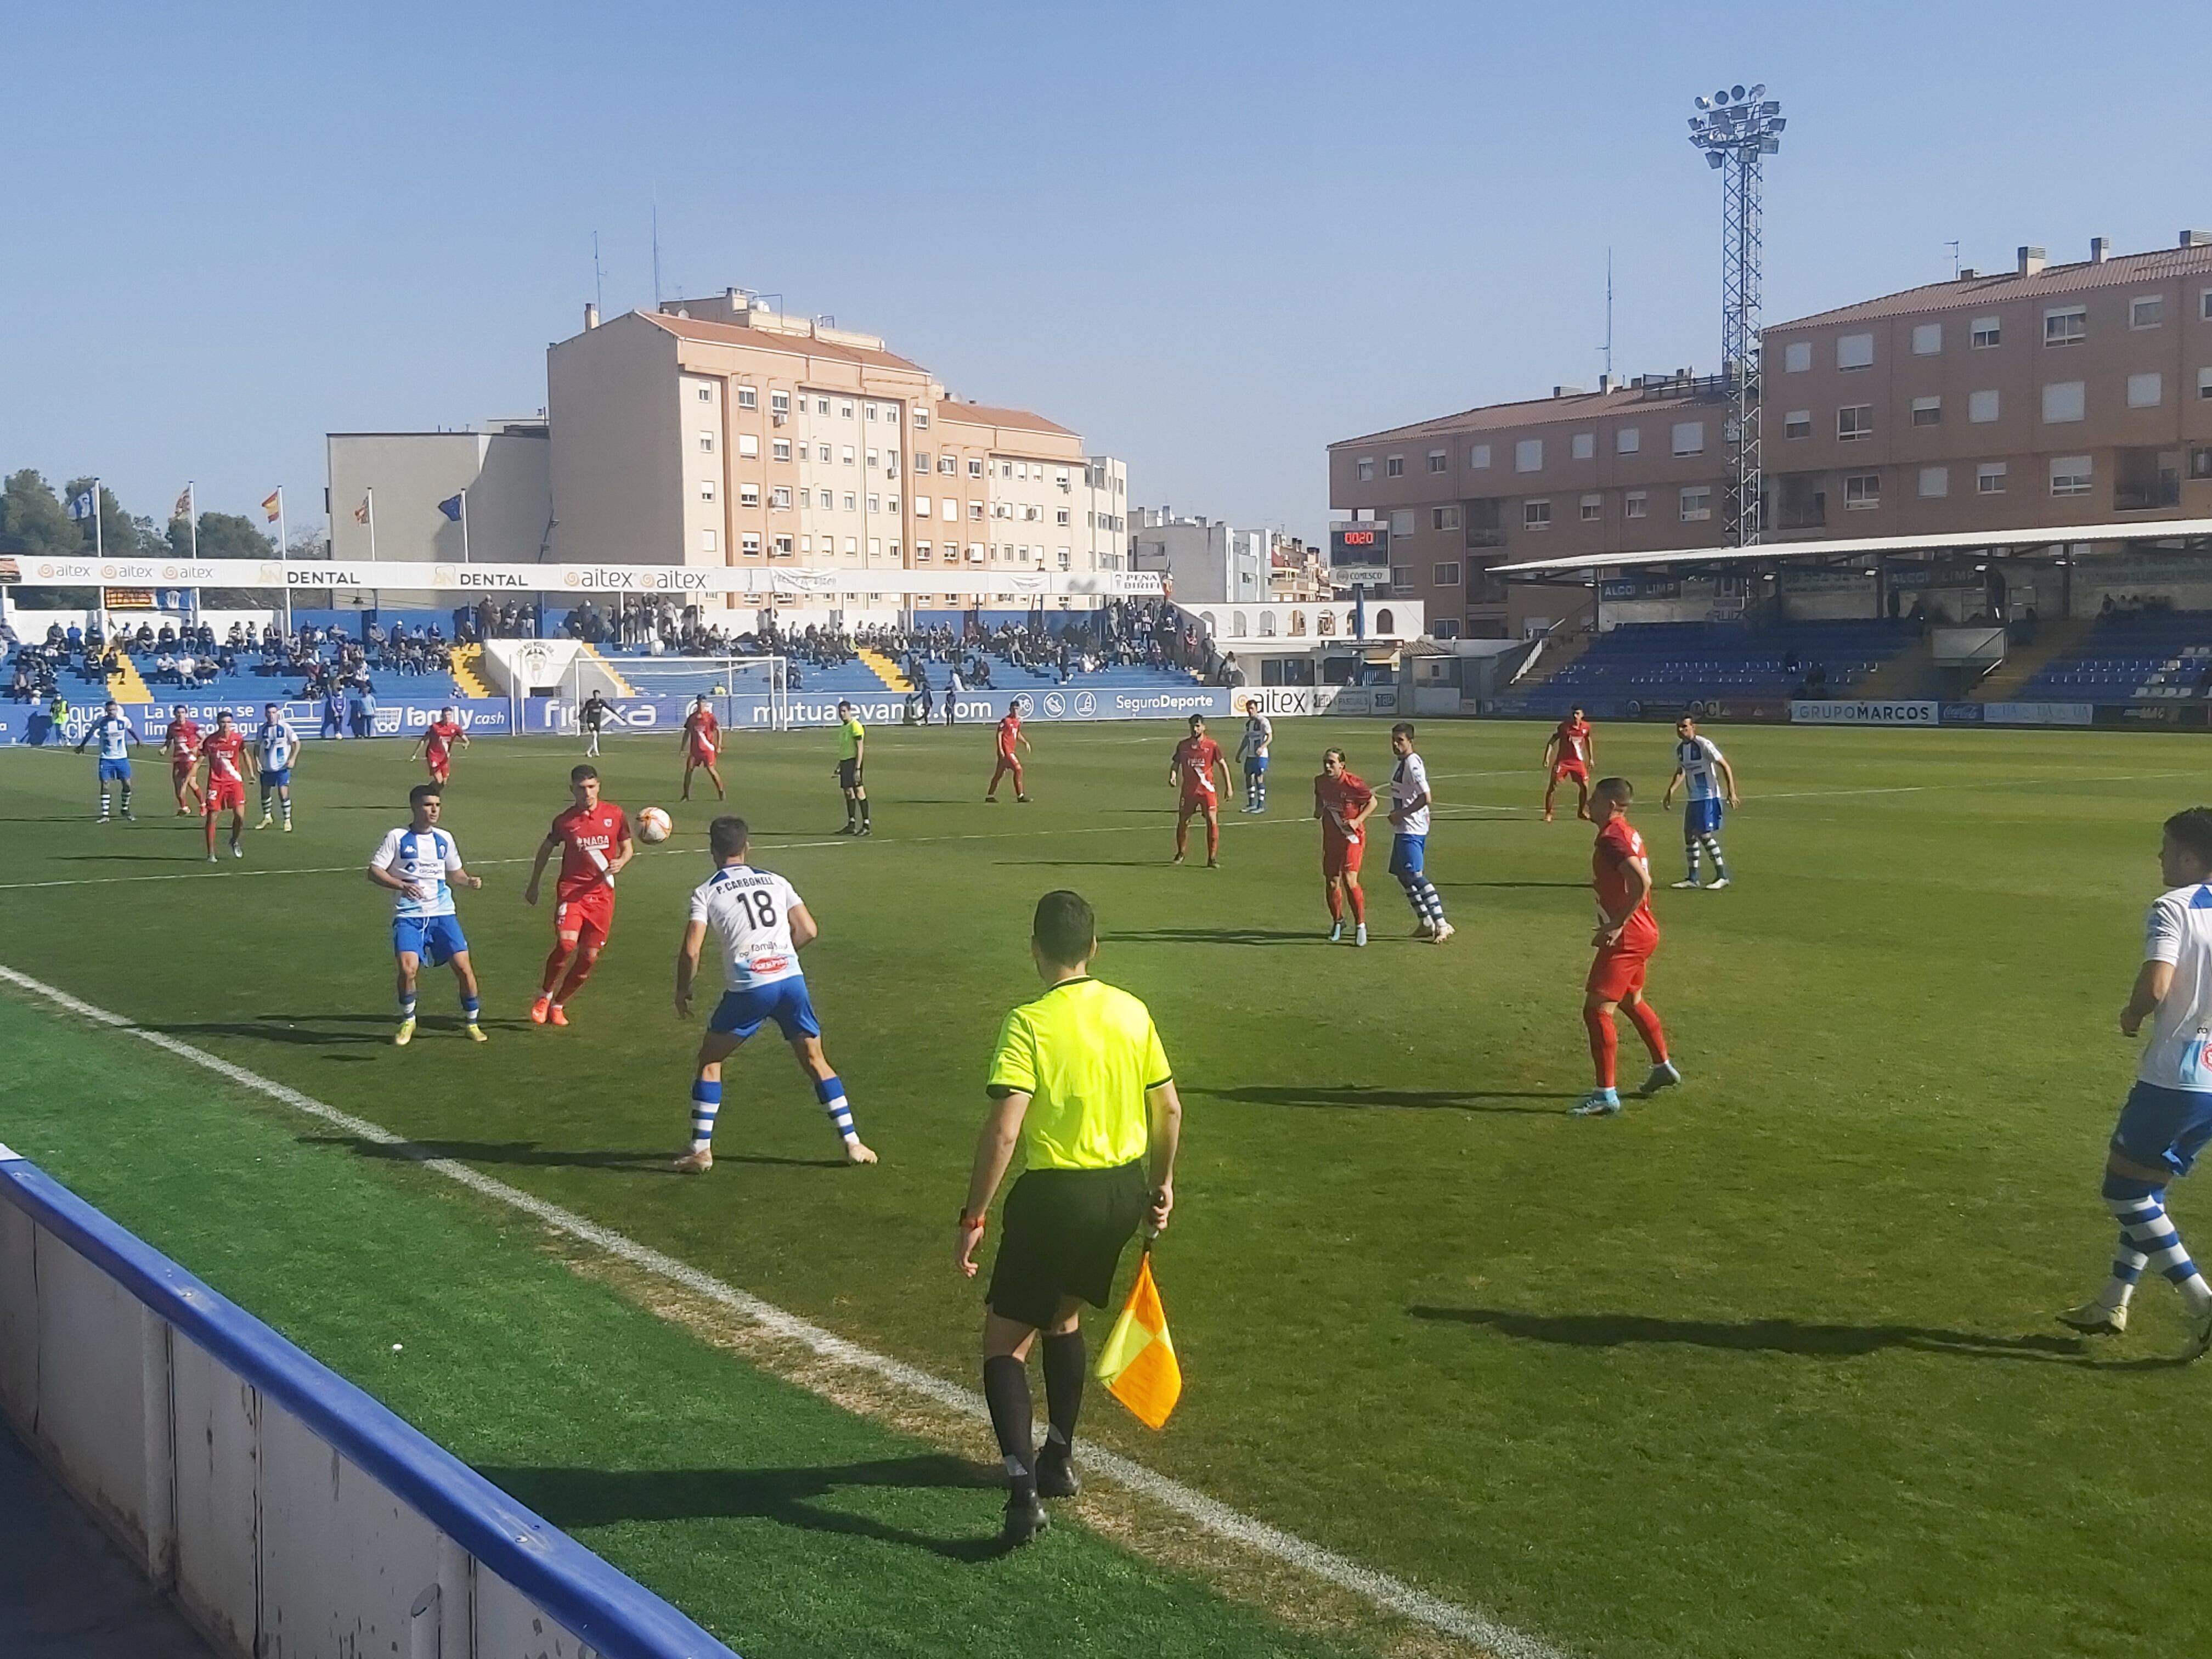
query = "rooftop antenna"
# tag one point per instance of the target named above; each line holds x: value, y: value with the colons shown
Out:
x: 598, y: 277
x: 1608, y: 316
x: 656, y: 249
x: 1953, y: 246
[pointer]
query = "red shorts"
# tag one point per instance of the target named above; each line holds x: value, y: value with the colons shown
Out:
x: 225, y: 792
x: 1340, y: 857
x: 590, y: 916
x: 441, y: 767
x: 182, y: 767
x: 1574, y: 770
x: 698, y: 757
x: 1191, y: 805
x: 1618, y: 974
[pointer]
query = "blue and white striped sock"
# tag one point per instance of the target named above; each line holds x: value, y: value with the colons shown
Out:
x: 1712, y: 846
x: 103, y: 803
x: 1690, y: 858
x: 1430, y: 901
x: 706, y: 1102
x: 407, y: 1005
x: 831, y: 1093
x: 2146, y: 1229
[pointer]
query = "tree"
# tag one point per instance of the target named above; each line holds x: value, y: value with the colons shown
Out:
x: 33, y: 522
x: 311, y: 541
x: 224, y: 536
x: 121, y: 535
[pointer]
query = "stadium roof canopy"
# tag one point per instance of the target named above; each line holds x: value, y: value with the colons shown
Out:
x: 2159, y: 530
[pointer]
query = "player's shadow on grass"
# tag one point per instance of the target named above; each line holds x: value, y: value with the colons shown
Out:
x: 1754, y: 1335
x: 299, y: 1030
x: 572, y: 1498
x: 1257, y: 936
x: 1355, y: 1097
x: 536, y: 1154
x: 1582, y: 886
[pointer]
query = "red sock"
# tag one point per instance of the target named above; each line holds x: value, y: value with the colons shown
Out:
x: 554, y: 964
x: 1335, y: 903
x: 1645, y: 1018
x: 579, y: 971
x: 1359, y: 905
x: 1604, y: 1044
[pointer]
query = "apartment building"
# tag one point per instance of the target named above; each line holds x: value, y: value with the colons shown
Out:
x: 1206, y: 561
x: 717, y: 432
x: 2045, y: 395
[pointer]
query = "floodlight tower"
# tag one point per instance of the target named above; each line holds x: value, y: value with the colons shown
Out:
x: 1735, y: 127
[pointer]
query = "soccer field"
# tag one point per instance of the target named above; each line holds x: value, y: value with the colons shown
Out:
x: 1765, y: 1367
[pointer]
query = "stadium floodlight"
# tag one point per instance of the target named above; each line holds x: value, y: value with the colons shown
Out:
x: 1741, y: 126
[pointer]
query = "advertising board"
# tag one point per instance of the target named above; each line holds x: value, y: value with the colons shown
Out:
x: 1849, y: 712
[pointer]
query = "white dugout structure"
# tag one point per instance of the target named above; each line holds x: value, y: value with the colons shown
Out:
x: 285, y: 1512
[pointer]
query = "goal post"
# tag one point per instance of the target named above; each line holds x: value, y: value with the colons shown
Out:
x: 746, y: 693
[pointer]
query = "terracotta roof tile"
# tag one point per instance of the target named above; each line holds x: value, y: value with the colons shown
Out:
x: 988, y: 414
x: 1571, y: 409
x: 762, y: 339
x: 2053, y: 282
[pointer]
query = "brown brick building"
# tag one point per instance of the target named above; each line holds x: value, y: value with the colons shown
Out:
x: 2047, y: 395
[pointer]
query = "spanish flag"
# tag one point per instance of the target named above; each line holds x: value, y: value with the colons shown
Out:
x: 273, y: 504
x: 1138, y: 1363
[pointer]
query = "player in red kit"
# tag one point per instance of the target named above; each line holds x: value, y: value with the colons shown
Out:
x: 702, y: 738
x: 1010, y: 736
x: 181, y: 744
x: 436, y: 745
x: 1570, y: 752
x: 1342, y: 801
x: 1626, y: 936
x: 229, y: 762
x: 593, y: 837
x: 1197, y: 758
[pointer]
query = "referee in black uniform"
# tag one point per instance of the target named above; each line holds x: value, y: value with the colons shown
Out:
x: 1080, y: 1082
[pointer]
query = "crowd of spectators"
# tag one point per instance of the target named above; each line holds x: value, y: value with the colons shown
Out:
x: 193, y: 654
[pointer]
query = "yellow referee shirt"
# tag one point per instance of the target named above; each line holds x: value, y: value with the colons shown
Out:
x: 848, y: 739
x: 1085, y: 1053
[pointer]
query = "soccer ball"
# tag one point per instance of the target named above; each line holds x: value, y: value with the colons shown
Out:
x: 652, y: 825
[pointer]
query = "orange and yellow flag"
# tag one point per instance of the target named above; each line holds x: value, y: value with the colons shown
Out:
x: 1138, y: 1363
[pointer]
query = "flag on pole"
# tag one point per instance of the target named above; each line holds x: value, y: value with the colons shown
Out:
x: 1138, y: 1363
x: 451, y: 507
x: 360, y: 513
x: 183, y: 509
x: 272, y: 505
x: 83, y: 506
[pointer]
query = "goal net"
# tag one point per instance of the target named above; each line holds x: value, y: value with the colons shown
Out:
x: 746, y: 693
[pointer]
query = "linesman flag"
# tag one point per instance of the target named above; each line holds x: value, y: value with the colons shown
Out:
x: 272, y: 505
x: 1138, y: 1363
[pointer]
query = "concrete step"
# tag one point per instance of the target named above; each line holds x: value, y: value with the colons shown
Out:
x: 2053, y: 639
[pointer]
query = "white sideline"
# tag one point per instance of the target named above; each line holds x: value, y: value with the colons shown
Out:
x: 1392, y: 1594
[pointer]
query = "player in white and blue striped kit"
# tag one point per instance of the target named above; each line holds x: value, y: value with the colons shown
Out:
x: 420, y: 863
x: 1707, y: 780
x: 115, y: 735
x: 279, y: 743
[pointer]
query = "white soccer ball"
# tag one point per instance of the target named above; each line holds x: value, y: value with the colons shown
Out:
x: 653, y: 825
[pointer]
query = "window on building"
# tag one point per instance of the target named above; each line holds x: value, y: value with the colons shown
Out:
x: 2146, y: 390
x: 1067, y: 559
x: 821, y: 452
x: 1862, y: 490
x: 921, y: 460
x: 706, y: 489
x: 846, y: 454
x: 976, y: 512
x: 821, y: 405
x: 852, y: 546
x: 824, y: 500
x: 1935, y: 483
x: 1854, y: 421
x: 921, y: 420
x: 1528, y: 455
x: 1364, y: 468
x: 748, y: 446
x: 1440, y: 461
x: 748, y: 494
x: 1401, y: 521
x: 748, y: 398
x: 2066, y: 325
x: 975, y: 468
x: 1927, y: 339
x: 1987, y: 331
x: 1627, y: 441
x: 922, y: 506
x: 779, y: 497
x: 750, y: 544
x: 1927, y: 412
x: 873, y: 457
x: 2148, y: 311
x: 1443, y: 518
x: 1632, y: 505
x: 1535, y: 515
x: 709, y: 541
x: 1797, y: 356
x: 782, y: 546
x: 2204, y: 305
x: 779, y: 403
x: 2065, y: 400
x: 1062, y: 517
x: 1982, y: 407
x: 2070, y: 475
x: 779, y: 449
x: 1697, y: 503
x: 875, y: 503
x: 706, y: 394
x: 1444, y: 576
x: 1798, y: 423
x: 921, y: 552
x: 706, y: 443
x: 1593, y: 508
x: 1394, y: 466
x: 845, y: 409
x: 1689, y: 437
x: 2204, y: 382
x: 852, y: 501
x: 1401, y: 581
x: 1990, y: 478
x: 948, y: 464
x: 806, y: 543
x: 1583, y: 446
x: 1855, y: 351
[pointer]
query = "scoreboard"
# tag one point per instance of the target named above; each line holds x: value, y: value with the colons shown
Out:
x: 1359, y: 553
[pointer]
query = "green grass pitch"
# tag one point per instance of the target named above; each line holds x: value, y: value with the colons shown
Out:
x: 1766, y: 1367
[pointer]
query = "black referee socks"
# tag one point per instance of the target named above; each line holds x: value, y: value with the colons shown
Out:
x: 1006, y: 1390
x: 1065, y: 1363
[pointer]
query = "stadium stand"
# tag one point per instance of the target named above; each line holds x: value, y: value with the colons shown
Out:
x: 2132, y: 656
x: 1707, y: 662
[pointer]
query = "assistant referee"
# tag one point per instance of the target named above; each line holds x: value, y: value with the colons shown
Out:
x: 1080, y: 1082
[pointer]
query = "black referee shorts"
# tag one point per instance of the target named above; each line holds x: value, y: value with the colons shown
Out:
x: 1062, y: 1233
x: 848, y: 775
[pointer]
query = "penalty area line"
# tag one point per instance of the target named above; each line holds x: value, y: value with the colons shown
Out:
x: 1385, y: 1592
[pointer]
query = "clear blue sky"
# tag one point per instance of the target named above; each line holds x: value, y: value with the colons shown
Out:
x: 1210, y: 237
